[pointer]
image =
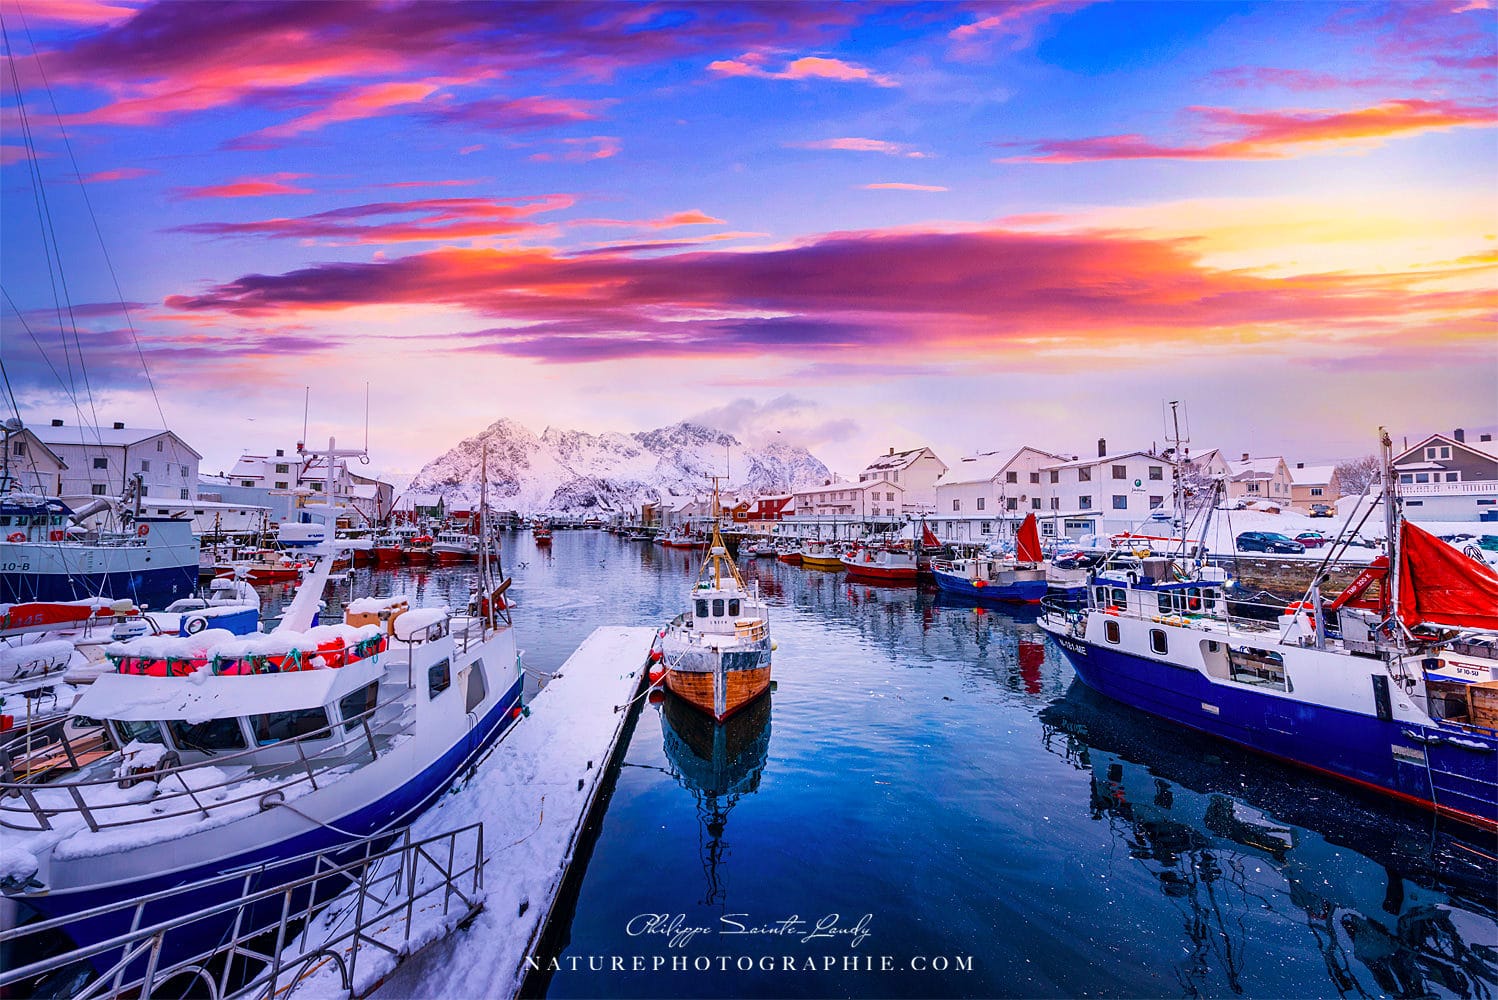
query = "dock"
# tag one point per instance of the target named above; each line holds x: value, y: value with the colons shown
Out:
x: 534, y: 794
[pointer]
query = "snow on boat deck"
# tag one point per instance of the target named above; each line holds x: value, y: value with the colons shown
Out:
x: 534, y: 795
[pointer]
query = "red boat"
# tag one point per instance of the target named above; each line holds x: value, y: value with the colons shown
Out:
x: 419, y: 549
x: 42, y: 616
x: 883, y: 565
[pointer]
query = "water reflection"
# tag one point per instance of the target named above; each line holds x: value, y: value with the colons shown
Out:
x: 719, y: 764
x: 1394, y: 919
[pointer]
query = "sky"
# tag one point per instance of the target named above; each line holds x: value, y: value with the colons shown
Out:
x: 854, y: 226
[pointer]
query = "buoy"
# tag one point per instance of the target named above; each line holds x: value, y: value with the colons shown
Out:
x: 655, y: 656
x: 16, y: 536
x: 143, y: 530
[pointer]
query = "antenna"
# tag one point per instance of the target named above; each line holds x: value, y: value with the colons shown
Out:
x: 306, y: 405
x: 366, y: 416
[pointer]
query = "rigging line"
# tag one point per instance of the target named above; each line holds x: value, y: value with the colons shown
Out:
x: 93, y: 218
x: 40, y: 349
x: 50, y: 228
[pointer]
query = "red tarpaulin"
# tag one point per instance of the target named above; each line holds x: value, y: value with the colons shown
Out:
x: 1027, y: 548
x: 1440, y: 585
x: 928, y: 538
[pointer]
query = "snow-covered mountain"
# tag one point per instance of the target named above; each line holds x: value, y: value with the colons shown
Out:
x: 576, y: 472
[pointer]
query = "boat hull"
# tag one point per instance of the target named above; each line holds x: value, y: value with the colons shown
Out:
x: 1413, y: 762
x: 154, y: 588
x: 719, y: 682
x: 790, y: 558
x: 875, y: 573
x: 821, y: 562
x: 1018, y: 592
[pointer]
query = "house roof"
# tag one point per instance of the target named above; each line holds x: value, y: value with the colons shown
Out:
x: 899, y: 459
x: 77, y: 434
x: 986, y: 467
x: 1313, y: 475
x: 1110, y: 458
x: 1255, y: 468
x: 1484, y: 449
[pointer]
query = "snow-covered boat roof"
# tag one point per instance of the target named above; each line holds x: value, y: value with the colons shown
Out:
x: 202, y: 696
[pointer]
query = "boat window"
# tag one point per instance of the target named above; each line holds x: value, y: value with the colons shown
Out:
x: 278, y: 726
x: 1193, y: 599
x: 1120, y: 596
x: 145, y: 732
x: 702, y: 608
x: 352, y: 706
x: 1102, y: 595
x: 476, y: 689
x: 1110, y: 631
x: 208, y: 737
x: 1163, y: 602
x: 733, y: 607
x: 1257, y: 666
x: 439, y: 678
x: 717, y: 607
x: 1157, y: 641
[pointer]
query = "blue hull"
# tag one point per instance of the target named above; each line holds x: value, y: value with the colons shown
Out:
x: 390, y: 812
x: 155, y: 588
x: 1420, y: 764
x: 1024, y: 591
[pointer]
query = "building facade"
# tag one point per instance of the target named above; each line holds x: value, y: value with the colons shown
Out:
x: 915, y: 472
x: 1448, y: 478
x: 31, y: 465
x: 101, y: 461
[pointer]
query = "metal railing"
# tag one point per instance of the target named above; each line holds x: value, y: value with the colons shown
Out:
x: 190, y: 798
x: 267, y: 941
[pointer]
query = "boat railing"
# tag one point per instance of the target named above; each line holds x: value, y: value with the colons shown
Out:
x: 382, y: 897
x: 42, y: 798
x: 1262, y: 617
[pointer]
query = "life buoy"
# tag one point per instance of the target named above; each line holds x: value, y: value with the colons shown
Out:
x: 55, y: 535
x: 196, y: 625
x: 1302, y: 607
x: 142, y: 530
x: 16, y: 536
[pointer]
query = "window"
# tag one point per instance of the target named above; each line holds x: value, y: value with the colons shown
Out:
x: 1316, y: 491
x: 1011, y: 477
x: 1110, y: 631
x: 733, y: 607
x: 439, y: 678
x: 1157, y: 472
x: 1253, y: 487
x: 1405, y: 477
x: 1120, y: 501
x: 183, y: 493
x: 145, y: 466
x: 101, y: 463
x: 283, y: 468
x: 717, y: 607
x: 474, y: 692
x: 209, y: 737
x: 1452, y: 477
x: 1047, y: 528
x: 20, y: 448
x: 1035, y: 503
x: 981, y: 502
x: 144, y: 732
x: 1055, y: 503
x: 1084, y: 474
x: 1035, y: 477
x: 247, y: 482
x: 1157, y: 641
x: 282, y: 485
x: 184, y: 472
x: 1445, y: 452
x: 701, y: 607
x: 1422, y: 477
x: 278, y: 726
x: 1055, y: 476
x: 1156, y: 503
x: 1011, y: 503
x: 97, y: 489
x: 985, y: 527
x: 144, y: 490
x: 956, y: 505
x: 1430, y: 453
x: 1084, y: 503
x: 1120, y: 472
x: 316, y: 485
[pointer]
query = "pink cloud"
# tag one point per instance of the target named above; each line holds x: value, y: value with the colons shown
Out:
x: 1273, y: 135
x: 429, y: 220
x: 597, y: 147
x: 118, y: 174
x: 897, y: 186
x: 856, y: 145
x: 804, y: 68
x: 1016, y: 20
x: 246, y: 187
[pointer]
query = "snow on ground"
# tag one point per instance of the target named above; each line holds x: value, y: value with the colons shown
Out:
x: 531, y: 795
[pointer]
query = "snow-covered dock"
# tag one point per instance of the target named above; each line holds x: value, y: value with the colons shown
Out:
x: 534, y: 795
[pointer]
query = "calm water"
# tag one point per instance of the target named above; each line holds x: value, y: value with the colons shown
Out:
x: 929, y: 777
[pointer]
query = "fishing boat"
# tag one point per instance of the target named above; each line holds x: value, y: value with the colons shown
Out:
x: 389, y: 547
x: 46, y: 558
x: 418, y: 549
x: 680, y: 538
x: 716, y: 655
x: 454, y: 546
x: 1021, y: 579
x: 881, y: 564
x: 789, y: 551
x: 541, y: 533
x: 820, y: 554
x: 1395, y: 692
x: 212, y: 753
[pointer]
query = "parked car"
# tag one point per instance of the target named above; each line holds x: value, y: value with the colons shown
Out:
x: 1268, y: 541
x: 1312, y: 539
x: 1321, y: 510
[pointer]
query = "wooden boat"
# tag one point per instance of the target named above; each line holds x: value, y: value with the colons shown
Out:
x: 716, y: 655
x: 819, y: 554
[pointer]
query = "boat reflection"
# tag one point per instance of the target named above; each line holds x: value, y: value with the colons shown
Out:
x: 1393, y: 905
x: 719, y: 763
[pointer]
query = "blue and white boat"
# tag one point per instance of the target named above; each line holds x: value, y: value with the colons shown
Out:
x: 151, y: 561
x: 210, y: 753
x: 1019, y: 579
x: 1371, y: 699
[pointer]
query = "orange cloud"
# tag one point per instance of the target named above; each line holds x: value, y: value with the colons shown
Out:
x: 246, y: 187
x: 805, y: 68
x: 692, y: 217
x: 1274, y: 135
x: 358, y: 103
x: 84, y: 13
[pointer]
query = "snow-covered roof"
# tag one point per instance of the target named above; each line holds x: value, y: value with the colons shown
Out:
x: 899, y: 459
x: 106, y: 436
x: 202, y: 696
x: 1313, y: 475
x: 976, y: 469
x: 1255, y: 468
x: 1110, y: 458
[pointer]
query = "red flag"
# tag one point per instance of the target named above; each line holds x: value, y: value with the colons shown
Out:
x: 928, y: 538
x: 1027, y: 542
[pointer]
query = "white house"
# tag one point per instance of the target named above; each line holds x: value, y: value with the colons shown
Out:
x: 1448, y: 478
x: 31, y: 465
x: 975, y: 496
x: 269, y: 480
x: 1261, y: 479
x: 874, y: 499
x: 1104, y: 495
x: 915, y: 472
x: 101, y: 460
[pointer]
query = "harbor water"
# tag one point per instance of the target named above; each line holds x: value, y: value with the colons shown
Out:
x: 930, y: 805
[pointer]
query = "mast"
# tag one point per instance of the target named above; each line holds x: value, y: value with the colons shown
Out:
x: 1391, y: 521
x: 1178, y: 485
x: 484, y: 603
